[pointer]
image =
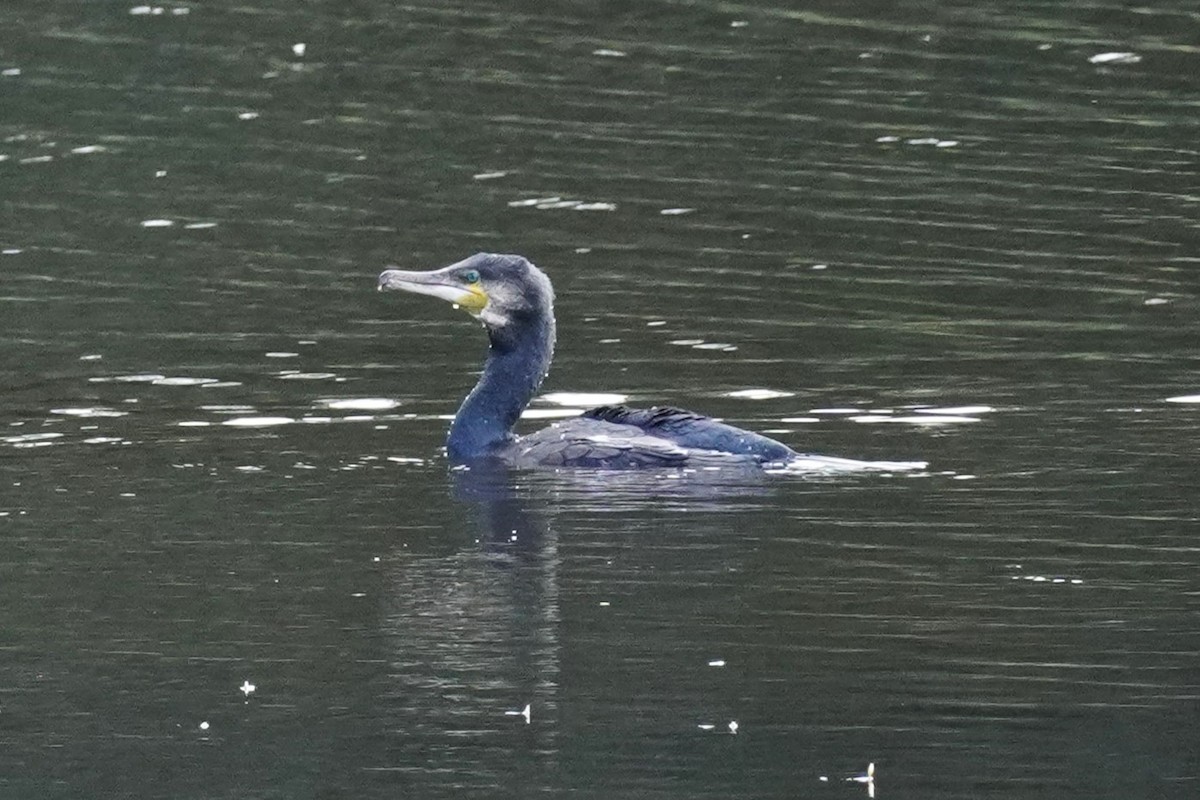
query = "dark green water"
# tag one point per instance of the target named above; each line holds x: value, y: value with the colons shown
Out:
x: 219, y: 447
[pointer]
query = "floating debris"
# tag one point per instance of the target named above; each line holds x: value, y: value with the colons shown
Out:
x: 247, y: 688
x: 298, y: 49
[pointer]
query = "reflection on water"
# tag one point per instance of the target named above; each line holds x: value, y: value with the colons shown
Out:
x: 960, y: 235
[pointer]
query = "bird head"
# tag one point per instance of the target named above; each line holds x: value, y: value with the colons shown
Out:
x: 497, y: 289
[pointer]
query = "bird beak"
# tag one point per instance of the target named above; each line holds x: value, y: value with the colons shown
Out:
x: 441, y: 283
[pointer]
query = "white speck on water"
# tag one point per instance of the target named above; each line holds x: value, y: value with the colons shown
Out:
x: 733, y: 726
x: 281, y: 354
x: 257, y: 422
x: 10, y: 251
x: 722, y: 346
x: 87, y: 150
x: 956, y: 410
x: 605, y: 604
x: 88, y: 412
x: 91, y: 357
x: 739, y: 23
x: 758, y: 394
x: 359, y: 404
x: 717, y: 662
x: 194, y: 423
x: 686, y: 342
x: 157, y: 223
x: 11, y: 72
x: 656, y: 323
x: 248, y: 115
x: 249, y: 468
x: 128, y: 494
x: 247, y: 688
x: 195, y: 226
x: 298, y: 49
x: 489, y: 176
x: 605, y: 53
x: 675, y: 212
x: 706, y: 726
x: 887, y: 139
x: 296, y: 375
x: 1115, y: 58
x: 204, y: 726
x: 1185, y: 398
x: 182, y: 381
x: 524, y: 712
x: 594, y: 207
x: 819, y: 267
x: 162, y: 173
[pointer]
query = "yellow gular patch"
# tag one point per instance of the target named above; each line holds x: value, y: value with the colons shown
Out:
x: 475, y: 299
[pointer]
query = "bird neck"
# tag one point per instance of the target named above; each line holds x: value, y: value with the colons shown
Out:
x: 519, y: 355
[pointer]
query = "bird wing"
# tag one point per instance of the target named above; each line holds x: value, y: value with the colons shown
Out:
x: 694, y: 431
x: 586, y: 442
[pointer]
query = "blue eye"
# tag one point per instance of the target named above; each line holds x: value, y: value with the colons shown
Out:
x: 470, y: 276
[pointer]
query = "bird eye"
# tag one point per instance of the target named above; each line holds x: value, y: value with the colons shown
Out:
x: 470, y: 276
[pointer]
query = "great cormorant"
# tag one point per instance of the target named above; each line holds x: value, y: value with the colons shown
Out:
x: 515, y: 302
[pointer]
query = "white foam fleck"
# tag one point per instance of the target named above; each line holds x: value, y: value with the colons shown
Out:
x: 298, y: 49
x: 594, y: 207
x: 489, y: 176
x: 916, y: 419
x: 956, y: 410
x: 686, y: 342
x: 533, y: 201
x: 712, y: 346
x: 359, y: 404
x: 194, y: 423
x: 405, y: 460
x: 584, y: 398
x: 182, y: 381
x: 29, y: 439
x: 141, y: 378
x: 1185, y: 398
x: 157, y: 223
x: 87, y: 149
x: 606, y: 53
x: 248, y: 115
x: 758, y: 394
x: 11, y: 72
x: 1121, y: 57
x: 295, y: 375
x: 89, y: 412
x: 675, y: 212
x: 196, y: 226
x: 281, y: 354
x: 257, y: 422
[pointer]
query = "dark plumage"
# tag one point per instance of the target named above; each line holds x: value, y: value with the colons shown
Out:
x: 515, y: 302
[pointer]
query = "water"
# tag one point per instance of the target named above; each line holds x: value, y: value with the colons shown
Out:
x: 902, y: 232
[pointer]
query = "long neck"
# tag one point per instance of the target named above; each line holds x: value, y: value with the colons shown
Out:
x: 518, y: 359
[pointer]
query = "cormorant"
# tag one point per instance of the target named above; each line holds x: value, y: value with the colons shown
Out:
x: 515, y: 302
